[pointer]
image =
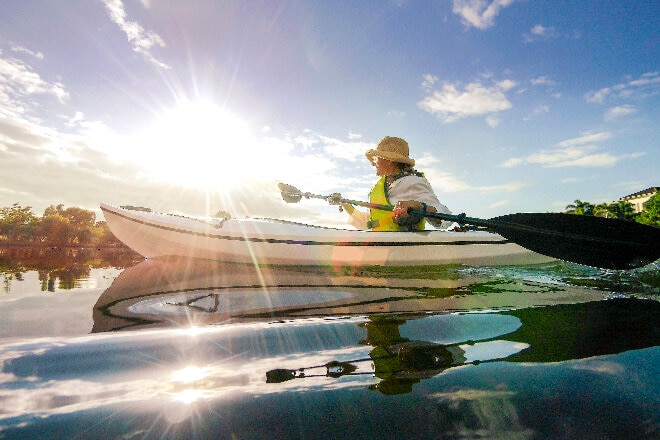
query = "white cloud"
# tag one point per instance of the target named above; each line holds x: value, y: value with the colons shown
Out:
x: 451, y: 103
x: 20, y: 49
x: 397, y: 114
x: 539, y: 110
x: 141, y: 39
x: 576, y: 152
x: 586, y: 139
x: 429, y: 81
x: 565, y: 157
x: 352, y: 150
x: 18, y: 81
x: 480, y: 14
x: 543, y: 81
x: 493, y: 120
x: 540, y: 32
x: 498, y: 204
x: 450, y: 183
x: 646, y: 85
x: 620, y: 111
x: 507, y: 84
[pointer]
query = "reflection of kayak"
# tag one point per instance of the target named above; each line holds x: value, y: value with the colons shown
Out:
x: 278, y: 242
x: 177, y: 291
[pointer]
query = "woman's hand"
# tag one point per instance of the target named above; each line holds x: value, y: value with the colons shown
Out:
x: 336, y: 199
x: 401, y: 208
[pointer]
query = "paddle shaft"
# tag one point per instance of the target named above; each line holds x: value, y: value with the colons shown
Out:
x: 460, y: 218
x: 588, y: 240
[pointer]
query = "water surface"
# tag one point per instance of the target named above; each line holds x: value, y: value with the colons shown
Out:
x: 118, y: 347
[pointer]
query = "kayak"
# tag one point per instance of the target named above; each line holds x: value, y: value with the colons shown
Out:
x: 279, y: 242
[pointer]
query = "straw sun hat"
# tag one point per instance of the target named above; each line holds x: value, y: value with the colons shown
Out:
x: 391, y: 148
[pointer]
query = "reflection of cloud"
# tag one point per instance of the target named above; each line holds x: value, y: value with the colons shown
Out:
x: 603, y: 367
x: 158, y: 383
x: 470, y: 394
x: 476, y: 413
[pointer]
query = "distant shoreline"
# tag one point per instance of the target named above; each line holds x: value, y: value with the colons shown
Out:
x: 66, y: 246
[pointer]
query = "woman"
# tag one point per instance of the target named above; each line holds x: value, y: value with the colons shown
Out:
x: 400, y: 186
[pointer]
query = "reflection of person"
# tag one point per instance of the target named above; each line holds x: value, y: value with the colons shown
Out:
x: 399, y: 186
x: 400, y: 363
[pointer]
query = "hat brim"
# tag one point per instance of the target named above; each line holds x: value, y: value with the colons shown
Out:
x: 394, y: 157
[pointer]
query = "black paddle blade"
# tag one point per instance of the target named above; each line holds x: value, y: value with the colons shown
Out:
x: 338, y: 369
x: 279, y: 375
x: 588, y: 240
x: 290, y: 194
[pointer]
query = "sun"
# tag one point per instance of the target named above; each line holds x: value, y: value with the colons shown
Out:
x: 195, y: 144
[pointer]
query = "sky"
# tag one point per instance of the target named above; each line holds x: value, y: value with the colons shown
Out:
x: 200, y: 106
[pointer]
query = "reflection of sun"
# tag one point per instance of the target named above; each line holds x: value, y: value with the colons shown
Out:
x: 195, y: 144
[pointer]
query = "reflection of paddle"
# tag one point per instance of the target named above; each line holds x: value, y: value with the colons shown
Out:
x: 593, y: 241
x: 334, y: 369
x: 411, y: 358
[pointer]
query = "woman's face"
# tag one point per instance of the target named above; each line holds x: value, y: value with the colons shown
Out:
x: 385, y: 167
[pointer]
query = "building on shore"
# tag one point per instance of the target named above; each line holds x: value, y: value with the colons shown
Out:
x: 639, y: 199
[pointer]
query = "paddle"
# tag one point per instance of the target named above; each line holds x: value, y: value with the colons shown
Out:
x: 588, y: 240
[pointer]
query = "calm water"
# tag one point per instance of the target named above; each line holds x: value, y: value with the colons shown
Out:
x: 97, y: 344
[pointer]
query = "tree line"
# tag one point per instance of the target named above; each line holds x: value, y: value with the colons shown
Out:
x: 620, y: 210
x: 58, y: 226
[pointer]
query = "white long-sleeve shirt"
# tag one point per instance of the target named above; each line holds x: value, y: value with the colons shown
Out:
x: 406, y: 188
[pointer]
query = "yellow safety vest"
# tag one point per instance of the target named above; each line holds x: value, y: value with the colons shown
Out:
x: 384, y: 220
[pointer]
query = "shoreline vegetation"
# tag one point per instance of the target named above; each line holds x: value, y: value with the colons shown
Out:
x: 58, y: 268
x: 78, y: 228
x: 57, y: 227
x: 620, y: 210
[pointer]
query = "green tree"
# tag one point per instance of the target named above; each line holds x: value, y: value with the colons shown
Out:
x: 621, y: 210
x: 68, y: 226
x: 602, y: 210
x: 580, y: 208
x: 54, y: 229
x: 17, y: 223
x: 651, y: 213
x: 103, y: 237
x: 59, y: 226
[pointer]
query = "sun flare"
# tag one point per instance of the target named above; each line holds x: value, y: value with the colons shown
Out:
x: 196, y: 144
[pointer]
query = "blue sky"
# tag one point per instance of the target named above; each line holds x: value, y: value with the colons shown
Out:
x: 203, y: 105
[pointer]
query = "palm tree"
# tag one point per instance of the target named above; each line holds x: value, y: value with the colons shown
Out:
x: 580, y: 208
x: 602, y: 210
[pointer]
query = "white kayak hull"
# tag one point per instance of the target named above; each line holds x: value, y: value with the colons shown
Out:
x: 263, y: 241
